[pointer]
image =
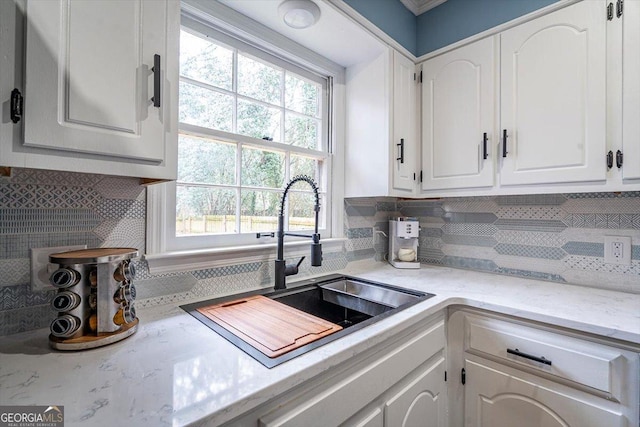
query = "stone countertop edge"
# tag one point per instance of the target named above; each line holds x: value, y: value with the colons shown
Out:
x: 175, y: 371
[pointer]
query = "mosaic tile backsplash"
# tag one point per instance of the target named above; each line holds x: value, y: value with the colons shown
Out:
x: 557, y: 237
x: 551, y: 237
x: 46, y: 209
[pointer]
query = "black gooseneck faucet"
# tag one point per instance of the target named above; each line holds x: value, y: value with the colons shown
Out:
x: 282, y: 270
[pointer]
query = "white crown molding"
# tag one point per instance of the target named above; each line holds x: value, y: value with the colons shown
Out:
x: 418, y: 7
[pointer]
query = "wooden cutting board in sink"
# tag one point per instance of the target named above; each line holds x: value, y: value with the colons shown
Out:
x: 269, y: 326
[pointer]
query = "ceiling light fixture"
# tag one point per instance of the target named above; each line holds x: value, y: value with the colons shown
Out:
x: 299, y: 14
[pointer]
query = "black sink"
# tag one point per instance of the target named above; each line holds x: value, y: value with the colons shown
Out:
x: 349, y: 302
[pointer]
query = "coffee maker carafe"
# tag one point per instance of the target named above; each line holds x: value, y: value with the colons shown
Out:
x: 403, y: 242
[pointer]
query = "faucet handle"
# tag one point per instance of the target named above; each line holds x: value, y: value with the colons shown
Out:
x: 291, y: 269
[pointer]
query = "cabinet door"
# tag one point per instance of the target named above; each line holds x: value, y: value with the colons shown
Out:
x: 553, y: 104
x: 497, y: 398
x: 421, y: 403
x: 405, y: 135
x: 371, y: 418
x: 631, y: 91
x: 457, y: 113
x: 90, y: 76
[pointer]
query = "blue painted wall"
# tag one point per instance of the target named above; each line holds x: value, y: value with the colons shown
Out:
x: 391, y: 17
x: 455, y: 20
x: 448, y: 23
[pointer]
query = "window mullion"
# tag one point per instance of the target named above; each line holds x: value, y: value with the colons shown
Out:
x: 238, y: 186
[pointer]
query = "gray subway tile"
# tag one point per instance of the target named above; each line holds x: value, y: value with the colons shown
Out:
x: 529, y: 251
x: 540, y: 275
x: 584, y: 248
x: 360, y: 210
x: 30, y: 221
x: 483, y: 241
x: 530, y: 225
x: 531, y: 200
x: 469, y: 263
x: 470, y: 217
x: 359, y: 233
x: 419, y: 212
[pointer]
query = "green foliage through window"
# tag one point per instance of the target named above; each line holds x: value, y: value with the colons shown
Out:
x: 240, y: 117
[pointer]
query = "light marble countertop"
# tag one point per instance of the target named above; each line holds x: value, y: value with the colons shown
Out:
x: 175, y: 371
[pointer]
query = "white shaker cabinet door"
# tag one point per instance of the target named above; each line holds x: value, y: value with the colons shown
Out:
x: 405, y: 132
x: 631, y: 90
x: 457, y: 118
x: 553, y: 104
x: 90, y: 82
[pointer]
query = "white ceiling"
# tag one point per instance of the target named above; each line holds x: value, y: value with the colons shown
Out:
x: 335, y: 36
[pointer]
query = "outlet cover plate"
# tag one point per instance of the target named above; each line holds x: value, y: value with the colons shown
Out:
x: 41, y: 268
x: 609, y: 254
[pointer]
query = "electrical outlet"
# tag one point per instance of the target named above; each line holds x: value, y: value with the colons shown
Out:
x: 617, y: 250
x: 41, y: 268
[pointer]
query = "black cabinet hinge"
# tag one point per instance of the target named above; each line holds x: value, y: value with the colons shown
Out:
x: 463, y: 376
x: 16, y: 105
x: 609, y: 159
x: 420, y: 76
x: 619, y: 7
x: 445, y: 376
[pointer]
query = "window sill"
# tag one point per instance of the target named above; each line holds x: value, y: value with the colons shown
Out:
x: 173, y: 262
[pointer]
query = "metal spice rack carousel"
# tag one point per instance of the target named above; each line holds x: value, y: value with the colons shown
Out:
x: 95, y: 298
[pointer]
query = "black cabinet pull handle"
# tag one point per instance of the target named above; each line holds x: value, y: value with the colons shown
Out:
x: 528, y: 356
x: 609, y: 159
x: 156, y: 81
x: 16, y: 105
x: 619, y: 159
x: 504, y: 143
x: 484, y: 146
x: 401, y: 145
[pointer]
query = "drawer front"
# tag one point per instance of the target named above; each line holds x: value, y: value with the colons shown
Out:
x: 339, y: 401
x: 594, y: 365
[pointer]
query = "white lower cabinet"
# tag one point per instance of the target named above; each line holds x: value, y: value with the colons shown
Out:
x: 502, y: 396
x: 399, y: 383
x: 421, y: 402
x: 518, y: 374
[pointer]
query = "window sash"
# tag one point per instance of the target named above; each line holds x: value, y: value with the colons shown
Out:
x: 174, y: 242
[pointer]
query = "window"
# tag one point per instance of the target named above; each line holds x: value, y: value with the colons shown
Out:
x: 249, y: 122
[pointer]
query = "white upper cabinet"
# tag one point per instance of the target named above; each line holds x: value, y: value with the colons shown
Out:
x: 457, y: 118
x: 553, y: 97
x: 100, y: 87
x: 381, y: 151
x: 631, y: 90
x: 405, y: 130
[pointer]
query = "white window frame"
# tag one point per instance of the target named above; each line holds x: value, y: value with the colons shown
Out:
x: 162, y: 252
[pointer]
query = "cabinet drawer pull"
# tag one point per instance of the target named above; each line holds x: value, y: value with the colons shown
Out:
x: 504, y: 143
x: 156, y: 81
x: 401, y: 145
x: 484, y: 146
x: 528, y: 356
